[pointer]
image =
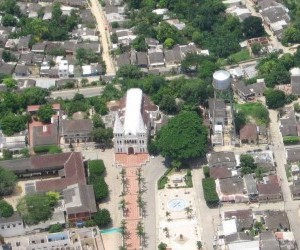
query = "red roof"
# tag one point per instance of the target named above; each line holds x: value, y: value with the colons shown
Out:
x: 73, y: 171
x: 34, y: 108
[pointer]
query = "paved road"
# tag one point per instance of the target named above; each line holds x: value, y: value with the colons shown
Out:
x: 99, y: 15
x: 291, y: 206
x: 69, y: 93
x: 152, y: 172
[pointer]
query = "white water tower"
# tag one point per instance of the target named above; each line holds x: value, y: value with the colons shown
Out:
x: 221, y: 80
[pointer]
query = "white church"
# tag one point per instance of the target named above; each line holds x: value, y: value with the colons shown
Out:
x: 134, y: 118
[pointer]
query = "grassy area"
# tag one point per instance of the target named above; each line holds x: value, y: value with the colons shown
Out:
x: 240, y: 56
x: 256, y: 111
x: 162, y: 181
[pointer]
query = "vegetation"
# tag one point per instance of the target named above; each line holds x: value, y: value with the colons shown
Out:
x: 162, y: 246
x: 188, y: 179
x: 102, y: 218
x: 163, y: 180
x: 52, y: 149
x: 96, y: 169
x: 8, y: 181
x: 35, y: 208
x: 275, y: 98
x: 183, y: 138
x: 56, y: 228
x: 6, y: 210
x: 292, y: 33
x: 45, y: 113
x: 291, y: 140
x: 252, y: 27
x: 247, y: 164
x: 206, y: 171
x: 240, y: 56
x: 209, y: 190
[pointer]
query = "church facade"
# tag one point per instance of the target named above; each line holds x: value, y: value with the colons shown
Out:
x: 134, y: 118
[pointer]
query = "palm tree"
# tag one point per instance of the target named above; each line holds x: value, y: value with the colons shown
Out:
x: 166, y: 231
x: 122, y: 204
x: 141, y: 202
x: 188, y: 211
x: 140, y: 230
x: 123, y: 227
x: 168, y: 214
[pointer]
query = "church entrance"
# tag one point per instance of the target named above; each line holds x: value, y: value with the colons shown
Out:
x: 130, y: 151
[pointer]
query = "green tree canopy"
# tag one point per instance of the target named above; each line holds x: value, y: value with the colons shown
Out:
x: 102, y: 218
x: 56, y: 228
x: 248, y: 164
x: 97, y: 121
x: 35, y: 208
x: 45, y: 113
x: 100, y: 188
x: 252, y: 27
x: 275, y: 98
x: 6, y: 210
x: 184, y: 137
x: 8, y: 181
x: 11, y: 124
x: 102, y: 136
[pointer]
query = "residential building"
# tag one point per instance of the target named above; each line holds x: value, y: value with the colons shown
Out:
x: 251, y: 187
x: 132, y: 127
x: 222, y: 158
x: 249, y: 134
x: 63, y: 69
x: 76, y: 131
x: 295, y: 81
x: 268, y: 241
x: 276, y: 221
x: 156, y: 59
x: 270, y: 189
x: 244, y: 218
x: 79, y: 202
x: 12, y: 226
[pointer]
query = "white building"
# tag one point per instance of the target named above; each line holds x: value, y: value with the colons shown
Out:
x: 134, y: 118
x: 63, y: 69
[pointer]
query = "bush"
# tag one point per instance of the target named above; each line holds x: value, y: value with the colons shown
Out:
x: 52, y: 149
x: 8, y: 181
x: 90, y: 223
x: 96, y: 167
x: 162, y: 181
x: 209, y: 190
x: 100, y: 189
x: 6, y: 210
x: 188, y: 179
x: 206, y: 171
x: 291, y: 140
x: 56, y: 228
x: 102, y: 218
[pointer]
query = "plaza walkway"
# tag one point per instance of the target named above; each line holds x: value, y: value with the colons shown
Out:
x: 131, y: 164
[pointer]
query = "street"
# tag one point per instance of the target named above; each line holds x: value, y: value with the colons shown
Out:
x: 152, y: 172
x: 69, y: 93
x: 102, y: 24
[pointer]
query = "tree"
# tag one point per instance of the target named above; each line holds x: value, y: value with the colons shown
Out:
x: 162, y: 246
x: 169, y: 43
x: 45, y: 113
x: 10, y: 83
x: 97, y: 121
x: 53, y: 197
x: 6, y: 210
x: 9, y: 20
x: 199, y: 245
x: 56, y: 228
x: 35, y: 208
x: 96, y: 169
x: 275, y: 98
x: 252, y: 27
x: 8, y: 181
x: 102, y: 218
x: 168, y: 104
x: 239, y: 120
x: 87, y: 56
x: 129, y: 71
x: 11, y: 124
x: 256, y: 48
x: 139, y: 44
x: 100, y: 189
x: 102, y: 136
x: 247, y: 164
x: 7, y: 56
x: 184, y: 137
x: 36, y: 96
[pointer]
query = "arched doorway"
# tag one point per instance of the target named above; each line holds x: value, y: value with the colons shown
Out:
x: 130, y: 151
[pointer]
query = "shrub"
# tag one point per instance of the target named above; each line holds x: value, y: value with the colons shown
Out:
x: 52, y: 149
x: 209, y: 190
x: 291, y: 140
x: 102, y: 218
x: 206, y: 171
x: 90, y: 223
x: 96, y: 167
x: 8, y: 181
x: 6, y: 210
x: 56, y: 228
x: 100, y: 189
x: 162, y: 181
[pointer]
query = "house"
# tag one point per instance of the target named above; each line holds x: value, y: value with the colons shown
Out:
x: 22, y: 70
x: 251, y: 187
x: 176, y: 23
x: 270, y: 189
x: 249, y: 134
x: 125, y: 36
x: 222, y: 158
x: 87, y: 16
x: 142, y: 59
x: 172, y: 57
x: 76, y: 131
x: 94, y: 69
x: 79, y: 202
x: 151, y: 42
x: 244, y: 218
x: 295, y: 81
x: 220, y: 172
x: 12, y: 226
x: 293, y: 154
x: 7, y: 68
x: 43, y: 134
x: 295, y: 191
x: 276, y: 221
x: 123, y: 59
x: 13, y: 143
x: 238, y: 237
x: 63, y: 69
x: 156, y: 59
x: 241, y: 12
x: 133, y: 119
x: 23, y: 44
x: 217, y: 111
x: 268, y: 241
x: 288, y: 124
x: 39, y: 48
x: 26, y: 58
x: 95, y: 47
x: 231, y: 190
x: 243, y: 91
x: 25, y: 83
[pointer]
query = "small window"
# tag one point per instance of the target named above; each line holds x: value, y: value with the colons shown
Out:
x: 8, y: 226
x: 14, y: 225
